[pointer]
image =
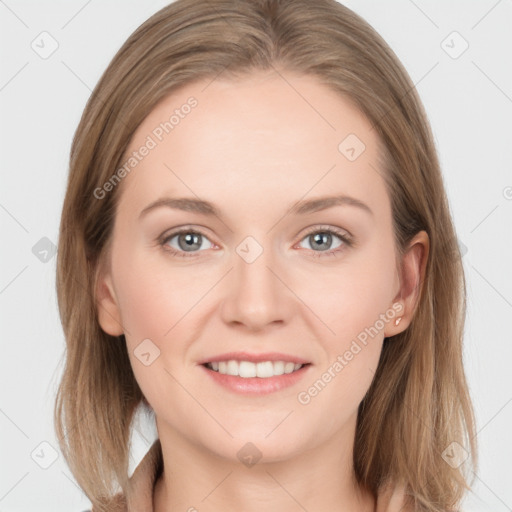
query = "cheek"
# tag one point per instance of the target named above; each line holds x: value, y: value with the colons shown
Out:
x: 356, y: 305
x: 352, y: 298
x: 156, y: 304
x: 154, y: 295
x: 354, y: 302
x: 164, y: 303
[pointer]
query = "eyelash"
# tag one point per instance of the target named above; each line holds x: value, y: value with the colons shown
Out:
x: 342, y: 235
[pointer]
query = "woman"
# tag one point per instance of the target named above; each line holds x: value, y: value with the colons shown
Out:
x: 224, y: 146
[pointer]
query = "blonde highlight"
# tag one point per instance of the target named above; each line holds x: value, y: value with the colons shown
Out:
x: 419, y: 400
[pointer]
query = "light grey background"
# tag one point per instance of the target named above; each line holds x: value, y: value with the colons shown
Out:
x: 468, y: 100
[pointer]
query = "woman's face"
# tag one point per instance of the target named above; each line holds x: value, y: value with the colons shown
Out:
x: 262, y: 271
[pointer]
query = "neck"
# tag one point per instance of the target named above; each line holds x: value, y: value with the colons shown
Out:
x: 317, y: 480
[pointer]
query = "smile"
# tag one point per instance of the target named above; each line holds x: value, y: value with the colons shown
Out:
x: 255, y: 378
x: 248, y: 369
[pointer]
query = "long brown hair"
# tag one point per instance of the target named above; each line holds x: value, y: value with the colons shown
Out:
x: 418, y: 403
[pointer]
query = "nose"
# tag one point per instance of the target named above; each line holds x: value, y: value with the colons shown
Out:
x: 255, y: 292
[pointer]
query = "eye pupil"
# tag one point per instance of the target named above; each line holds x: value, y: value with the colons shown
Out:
x: 191, y: 241
x: 322, y: 238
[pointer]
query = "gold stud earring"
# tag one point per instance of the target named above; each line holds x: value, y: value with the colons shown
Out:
x: 397, y: 321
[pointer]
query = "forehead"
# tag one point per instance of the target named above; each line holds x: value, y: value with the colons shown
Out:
x: 263, y: 135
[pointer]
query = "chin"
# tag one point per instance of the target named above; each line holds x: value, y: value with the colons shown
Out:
x: 256, y: 445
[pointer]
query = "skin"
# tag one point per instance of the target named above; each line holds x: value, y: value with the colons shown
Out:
x: 254, y: 147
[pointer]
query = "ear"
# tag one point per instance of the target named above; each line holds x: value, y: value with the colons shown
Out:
x: 412, y: 275
x: 107, y: 308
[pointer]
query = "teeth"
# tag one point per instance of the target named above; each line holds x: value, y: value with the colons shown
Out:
x: 278, y: 367
x: 232, y: 368
x: 289, y: 367
x: 246, y: 369
x: 264, y: 369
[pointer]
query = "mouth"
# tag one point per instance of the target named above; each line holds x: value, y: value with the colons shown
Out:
x: 255, y: 374
x: 248, y: 369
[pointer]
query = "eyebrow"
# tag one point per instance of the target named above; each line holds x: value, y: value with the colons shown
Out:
x: 190, y: 204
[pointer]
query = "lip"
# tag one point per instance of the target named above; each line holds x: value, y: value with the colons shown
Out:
x: 255, y: 358
x: 256, y: 385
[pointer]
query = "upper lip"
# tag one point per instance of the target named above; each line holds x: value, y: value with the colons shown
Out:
x: 254, y: 358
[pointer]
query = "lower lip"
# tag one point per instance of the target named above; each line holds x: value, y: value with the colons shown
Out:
x: 257, y: 385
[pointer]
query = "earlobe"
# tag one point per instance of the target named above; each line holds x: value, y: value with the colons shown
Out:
x: 413, y: 268
x: 107, y: 308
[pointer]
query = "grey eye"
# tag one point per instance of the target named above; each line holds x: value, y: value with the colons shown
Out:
x: 322, y: 240
x: 187, y: 241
